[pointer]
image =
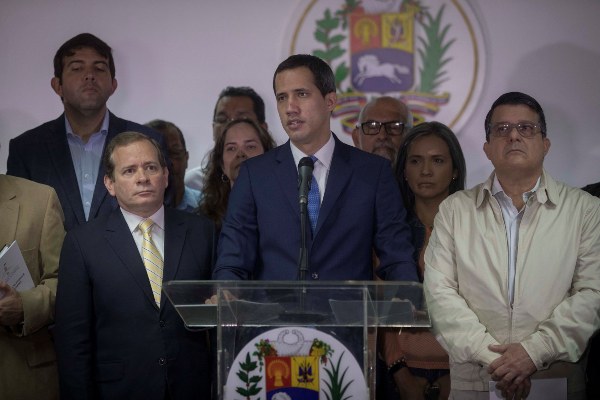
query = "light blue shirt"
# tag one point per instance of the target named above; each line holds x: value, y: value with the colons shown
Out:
x: 189, y: 201
x: 512, y: 221
x: 86, y: 161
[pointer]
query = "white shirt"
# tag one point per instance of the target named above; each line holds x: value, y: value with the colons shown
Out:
x: 157, y: 231
x: 322, y: 165
x: 512, y: 221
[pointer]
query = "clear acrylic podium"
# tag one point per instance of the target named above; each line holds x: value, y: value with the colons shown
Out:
x: 310, y: 336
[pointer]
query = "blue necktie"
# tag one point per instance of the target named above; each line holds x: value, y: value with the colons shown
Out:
x: 314, y: 200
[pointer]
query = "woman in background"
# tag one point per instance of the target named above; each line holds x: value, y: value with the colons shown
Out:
x: 241, y: 139
x: 430, y: 167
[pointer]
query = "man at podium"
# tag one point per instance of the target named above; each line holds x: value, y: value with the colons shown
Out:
x: 353, y: 202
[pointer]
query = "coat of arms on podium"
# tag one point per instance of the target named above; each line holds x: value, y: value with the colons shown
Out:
x: 295, y: 363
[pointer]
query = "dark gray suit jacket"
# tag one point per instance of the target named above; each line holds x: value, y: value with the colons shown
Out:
x: 42, y: 155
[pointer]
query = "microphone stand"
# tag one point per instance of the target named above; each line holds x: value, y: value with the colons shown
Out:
x: 303, y: 258
x: 305, y: 168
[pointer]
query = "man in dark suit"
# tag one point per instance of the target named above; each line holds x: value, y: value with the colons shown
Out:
x: 358, y: 201
x: 66, y: 153
x: 116, y: 336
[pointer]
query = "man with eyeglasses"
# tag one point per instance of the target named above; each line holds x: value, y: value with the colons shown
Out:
x: 184, y: 198
x: 513, y: 266
x: 381, y: 127
x: 234, y: 102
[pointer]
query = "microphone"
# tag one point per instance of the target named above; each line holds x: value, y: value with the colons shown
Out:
x: 305, y: 169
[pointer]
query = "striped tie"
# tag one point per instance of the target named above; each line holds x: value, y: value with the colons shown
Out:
x: 314, y: 200
x: 152, y: 259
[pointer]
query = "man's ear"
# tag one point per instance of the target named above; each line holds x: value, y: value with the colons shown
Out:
x: 486, y: 149
x: 110, y: 185
x: 166, y: 177
x: 56, y: 85
x: 331, y: 101
x: 114, y: 85
x: 546, y: 146
x: 356, y: 137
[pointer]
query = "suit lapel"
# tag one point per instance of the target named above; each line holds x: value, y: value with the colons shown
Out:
x: 175, y: 235
x: 287, y: 176
x: 115, y: 126
x: 340, y: 173
x: 9, y: 213
x: 60, y: 156
x: 119, y: 238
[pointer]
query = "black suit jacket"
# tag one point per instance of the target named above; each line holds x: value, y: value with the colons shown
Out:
x: 111, y: 339
x: 43, y: 155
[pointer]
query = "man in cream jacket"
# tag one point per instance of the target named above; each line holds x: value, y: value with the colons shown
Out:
x: 512, y: 277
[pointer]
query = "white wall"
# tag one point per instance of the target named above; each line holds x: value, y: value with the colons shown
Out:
x: 174, y: 57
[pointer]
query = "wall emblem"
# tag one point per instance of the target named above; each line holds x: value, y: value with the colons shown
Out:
x: 428, y: 53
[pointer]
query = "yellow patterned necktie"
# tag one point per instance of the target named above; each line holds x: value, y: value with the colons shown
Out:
x: 152, y: 259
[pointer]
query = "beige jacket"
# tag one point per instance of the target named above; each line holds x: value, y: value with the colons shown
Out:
x: 556, y: 305
x: 31, y: 214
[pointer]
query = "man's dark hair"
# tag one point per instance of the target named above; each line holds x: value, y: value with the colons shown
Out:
x: 162, y: 126
x: 83, y: 40
x: 322, y: 74
x: 244, y: 91
x: 515, y: 98
x: 124, y: 139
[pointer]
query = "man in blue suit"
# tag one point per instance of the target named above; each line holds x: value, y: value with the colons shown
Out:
x: 65, y: 153
x: 116, y: 334
x: 358, y: 201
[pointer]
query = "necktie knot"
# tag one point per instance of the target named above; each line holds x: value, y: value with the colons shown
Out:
x: 146, y: 227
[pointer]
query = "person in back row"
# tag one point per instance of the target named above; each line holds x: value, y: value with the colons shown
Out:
x: 382, y: 123
x: 430, y: 167
x: 66, y: 153
x: 241, y: 139
x: 234, y: 102
x: 184, y: 198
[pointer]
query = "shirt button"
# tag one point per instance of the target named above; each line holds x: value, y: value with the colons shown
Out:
x: 162, y: 361
x: 314, y: 275
x: 162, y: 323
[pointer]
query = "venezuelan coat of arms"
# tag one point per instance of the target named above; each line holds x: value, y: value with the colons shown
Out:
x: 428, y: 54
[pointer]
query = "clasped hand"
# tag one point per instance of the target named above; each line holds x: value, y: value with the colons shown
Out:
x: 512, y: 370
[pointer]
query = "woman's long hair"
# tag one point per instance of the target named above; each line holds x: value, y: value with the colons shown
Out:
x: 216, y: 187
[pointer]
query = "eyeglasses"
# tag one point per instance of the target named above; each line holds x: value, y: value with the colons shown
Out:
x: 525, y: 129
x: 394, y: 128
